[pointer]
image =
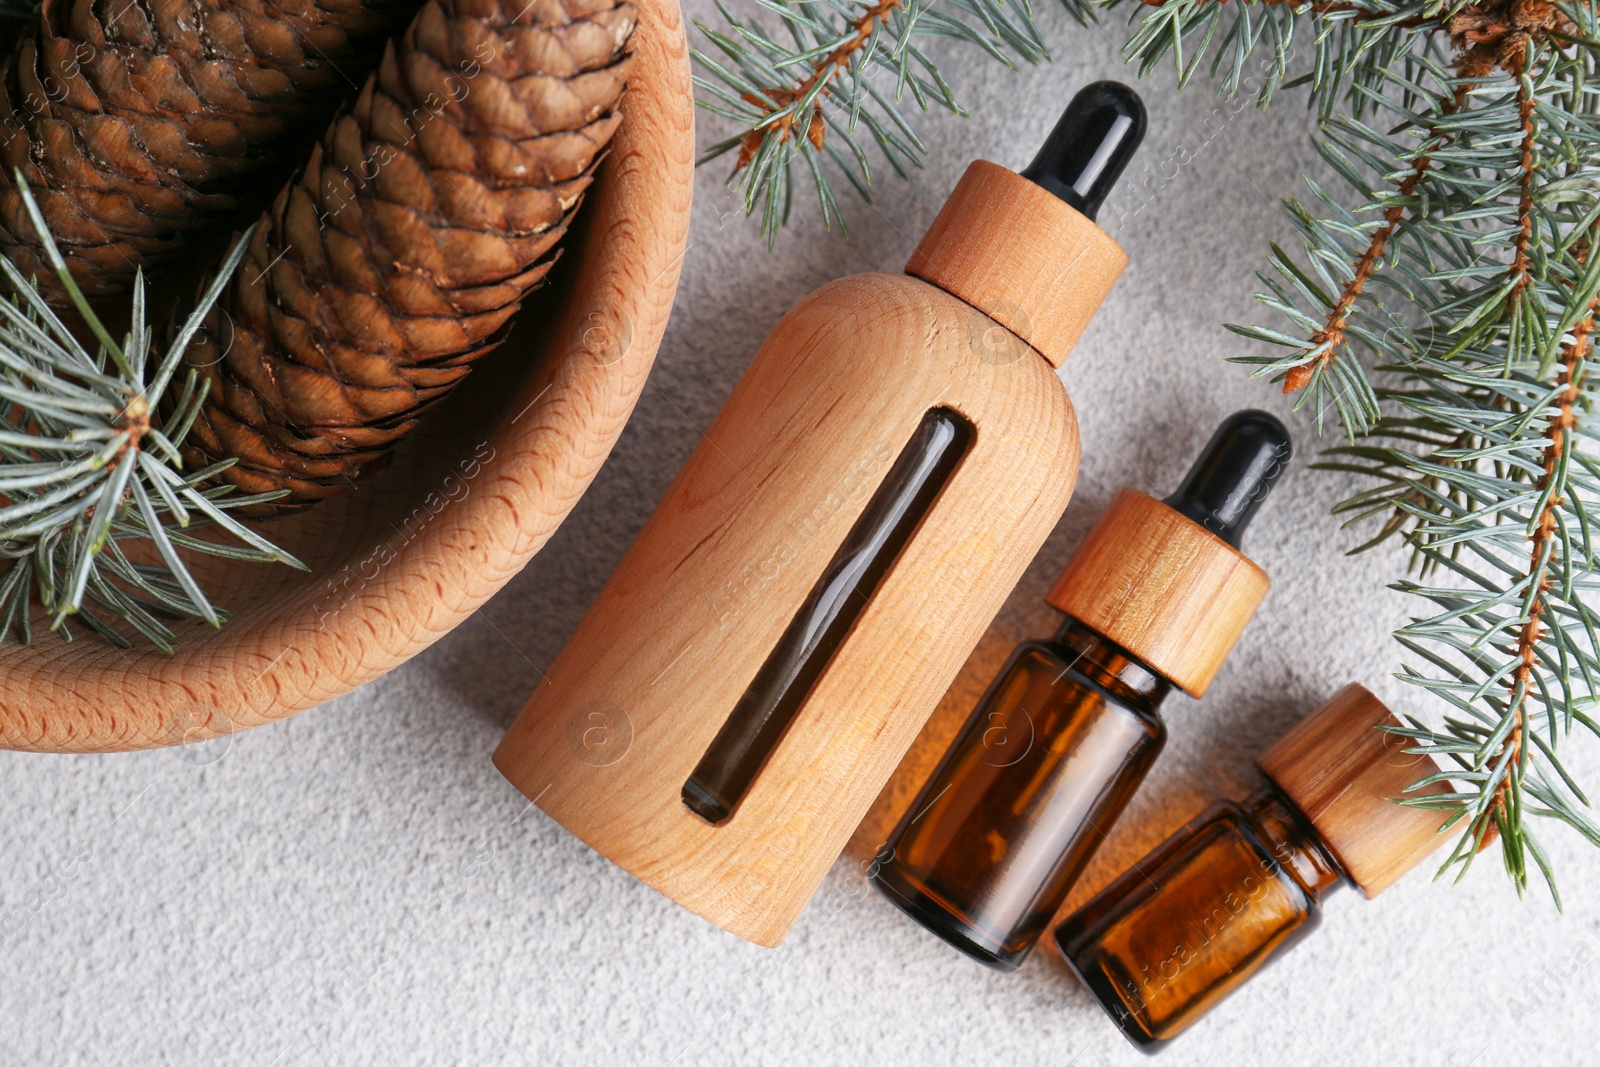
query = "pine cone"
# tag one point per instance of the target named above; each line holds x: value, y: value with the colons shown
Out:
x: 422, y: 220
x: 134, y: 120
x: 1495, y: 33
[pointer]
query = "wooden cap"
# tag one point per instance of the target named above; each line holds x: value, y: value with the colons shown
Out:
x: 1344, y: 774
x: 1163, y: 587
x: 1021, y: 256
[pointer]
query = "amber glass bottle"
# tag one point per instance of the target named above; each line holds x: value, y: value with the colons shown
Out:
x: 1230, y: 891
x: 1156, y: 596
x: 977, y: 868
x: 1198, y: 916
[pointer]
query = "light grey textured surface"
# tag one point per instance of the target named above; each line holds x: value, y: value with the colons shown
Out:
x: 358, y: 885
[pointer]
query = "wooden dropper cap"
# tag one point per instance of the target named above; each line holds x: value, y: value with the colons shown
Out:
x: 1344, y: 774
x: 1024, y: 248
x: 1164, y: 579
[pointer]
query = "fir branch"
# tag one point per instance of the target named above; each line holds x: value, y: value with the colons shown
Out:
x: 1478, y: 432
x: 823, y: 71
x: 1538, y: 577
x: 806, y: 96
x: 1325, y: 344
x: 86, y: 468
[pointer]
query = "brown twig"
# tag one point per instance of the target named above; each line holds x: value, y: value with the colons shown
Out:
x: 1332, y: 333
x: 1519, y: 259
x: 823, y: 68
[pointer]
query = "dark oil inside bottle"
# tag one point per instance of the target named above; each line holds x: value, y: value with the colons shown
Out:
x: 1192, y: 921
x: 990, y: 848
x: 751, y: 733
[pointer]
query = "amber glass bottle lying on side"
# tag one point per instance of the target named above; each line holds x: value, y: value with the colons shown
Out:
x: 1156, y: 596
x: 1230, y: 891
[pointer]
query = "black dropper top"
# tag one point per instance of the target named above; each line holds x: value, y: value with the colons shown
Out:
x: 1234, y: 473
x: 1096, y: 136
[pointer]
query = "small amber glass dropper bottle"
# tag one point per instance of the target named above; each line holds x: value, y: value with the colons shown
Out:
x: 1230, y: 891
x: 1156, y: 595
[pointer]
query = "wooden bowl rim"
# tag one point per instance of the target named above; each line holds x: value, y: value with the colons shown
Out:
x: 542, y: 461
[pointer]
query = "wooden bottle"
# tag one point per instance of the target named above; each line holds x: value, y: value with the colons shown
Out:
x: 814, y: 578
x: 1243, y: 882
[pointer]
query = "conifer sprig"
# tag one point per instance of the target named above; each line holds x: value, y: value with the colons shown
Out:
x: 833, y: 79
x: 1441, y: 307
x: 90, y: 465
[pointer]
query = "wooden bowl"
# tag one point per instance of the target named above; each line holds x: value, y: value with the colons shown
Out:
x: 467, y: 501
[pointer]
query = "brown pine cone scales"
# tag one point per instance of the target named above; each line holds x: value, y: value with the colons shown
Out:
x: 134, y: 120
x: 423, y: 218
